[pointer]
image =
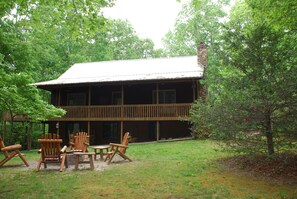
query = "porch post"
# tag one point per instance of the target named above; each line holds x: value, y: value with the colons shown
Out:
x: 122, y: 102
x: 122, y: 129
x: 59, y: 97
x: 157, y: 93
x: 194, y: 90
x: 58, y: 128
x: 122, y: 111
x: 59, y: 104
x: 89, y: 114
x: 43, y: 127
x: 89, y: 99
x: 157, y: 102
x: 158, y: 130
x: 122, y: 94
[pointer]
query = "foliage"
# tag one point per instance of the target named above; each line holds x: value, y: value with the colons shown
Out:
x: 253, y: 103
x: 30, y: 36
x: 119, y: 42
x: 80, y: 17
x: 199, y: 21
x: 41, y: 39
x: 17, y: 96
x: 281, y: 15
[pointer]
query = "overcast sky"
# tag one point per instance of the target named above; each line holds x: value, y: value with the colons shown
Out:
x: 150, y: 18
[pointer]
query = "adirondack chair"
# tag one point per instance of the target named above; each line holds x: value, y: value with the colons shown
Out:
x: 50, y: 136
x: 51, y: 151
x: 119, y: 149
x: 81, y: 142
x: 10, y: 152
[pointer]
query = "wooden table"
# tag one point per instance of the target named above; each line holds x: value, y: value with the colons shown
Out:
x: 80, y: 155
x: 101, y: 149
x: 70, y: 158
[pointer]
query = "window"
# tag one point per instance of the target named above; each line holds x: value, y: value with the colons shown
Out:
x: 165, y: 96
x: 116, y: 98
x: 73, y: 128
x: 76, y: 99
x: 110, y: 130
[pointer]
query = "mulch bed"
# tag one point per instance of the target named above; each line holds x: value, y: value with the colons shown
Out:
x: 281, y: 168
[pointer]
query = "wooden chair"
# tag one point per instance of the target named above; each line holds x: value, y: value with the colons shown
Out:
x: 81, y: 142
x: 51, y: 151
x: 10, y: 152
x: 119, y: 149
x: 50, y: 136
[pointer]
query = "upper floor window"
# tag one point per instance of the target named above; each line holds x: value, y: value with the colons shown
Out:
x: 116, y: 97
x: 165, y: 96
x: 76, y: 99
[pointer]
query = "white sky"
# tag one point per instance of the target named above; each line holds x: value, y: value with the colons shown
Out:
x: 149, y: 18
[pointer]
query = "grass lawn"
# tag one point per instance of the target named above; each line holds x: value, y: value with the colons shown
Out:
x: 184, y: 169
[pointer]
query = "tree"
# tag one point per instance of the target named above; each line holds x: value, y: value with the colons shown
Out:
x: 18, y: 97
x: 119, y: 42
x: 256, y: 95
x: 200, y: 21
x: 34, y: 36
x: 281, y: 15
x: 40, y: 39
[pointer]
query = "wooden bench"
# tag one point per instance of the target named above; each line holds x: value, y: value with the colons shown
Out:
x: 79, y: 159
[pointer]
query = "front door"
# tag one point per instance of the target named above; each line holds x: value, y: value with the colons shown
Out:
x: 111, y: 131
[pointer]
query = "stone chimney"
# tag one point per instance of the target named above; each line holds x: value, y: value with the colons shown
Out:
x: 202, y: 55
x: 202, y: 59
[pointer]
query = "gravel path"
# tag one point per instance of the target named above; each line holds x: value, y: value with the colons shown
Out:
x: 99, y: 165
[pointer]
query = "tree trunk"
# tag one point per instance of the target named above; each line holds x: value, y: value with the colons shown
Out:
x: 269, y: 134
x: 29, y: 137
x: 11, y: 127
x: 4, y: 130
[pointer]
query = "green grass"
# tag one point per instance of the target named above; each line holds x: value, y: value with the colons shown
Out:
x: 185, y: 169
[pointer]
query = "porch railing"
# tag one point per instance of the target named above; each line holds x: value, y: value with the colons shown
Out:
x: 125, y: 112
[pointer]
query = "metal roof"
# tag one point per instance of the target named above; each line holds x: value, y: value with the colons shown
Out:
x: 130, y: 70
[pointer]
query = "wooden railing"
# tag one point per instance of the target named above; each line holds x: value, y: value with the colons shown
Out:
x: 125, y: 112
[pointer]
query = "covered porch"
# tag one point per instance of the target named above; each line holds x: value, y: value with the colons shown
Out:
x: 104, y: 132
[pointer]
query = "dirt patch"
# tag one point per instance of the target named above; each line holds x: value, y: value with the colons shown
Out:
x: 99, y: 165
x: 281, y: 168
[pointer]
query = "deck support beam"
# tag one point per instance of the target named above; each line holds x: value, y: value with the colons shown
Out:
x: 43, y: 127
x: 122, y: 112
x: 59, y: 97
x: 89, y: 128
x: 157, y: 102
x: 59, y: 104
x: 158, y: 130
x: 89, y: 104
x: 122, y: 129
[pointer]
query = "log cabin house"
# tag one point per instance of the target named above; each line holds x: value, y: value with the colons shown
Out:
x: 146, y: 97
